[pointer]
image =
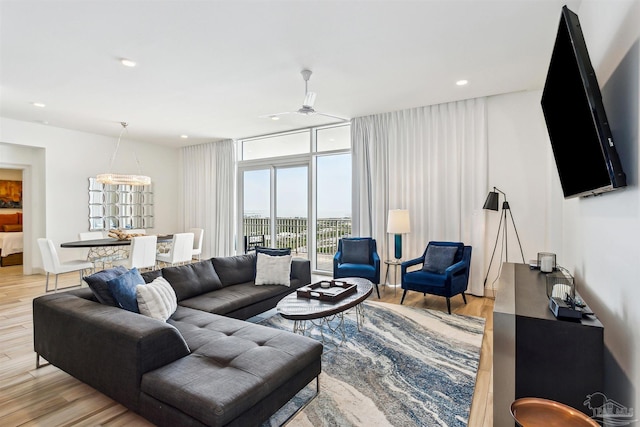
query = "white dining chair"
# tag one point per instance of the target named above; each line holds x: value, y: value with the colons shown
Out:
x: 180, y: 250
x: 198, y: 234
x: 90, y: 235
x: 51, y: 263
x: 91, y: 254
x: 142, y: 254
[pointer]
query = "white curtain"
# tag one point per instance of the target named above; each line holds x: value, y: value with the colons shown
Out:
x: 431, y: 161
x: 209, y: 189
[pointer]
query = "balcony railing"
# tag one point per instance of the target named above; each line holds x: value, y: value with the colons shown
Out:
x: 293, y: 233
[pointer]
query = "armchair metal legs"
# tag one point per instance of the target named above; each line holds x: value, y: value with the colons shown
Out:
x: 403, y: 295
x: 464, y: 298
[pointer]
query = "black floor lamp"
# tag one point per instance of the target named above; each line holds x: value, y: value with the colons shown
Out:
x: 492, y: 204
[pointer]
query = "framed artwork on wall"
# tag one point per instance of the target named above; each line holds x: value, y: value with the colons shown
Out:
x: 10, y: 194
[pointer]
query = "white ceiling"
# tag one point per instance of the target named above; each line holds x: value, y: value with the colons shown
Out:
x: 210, y: 69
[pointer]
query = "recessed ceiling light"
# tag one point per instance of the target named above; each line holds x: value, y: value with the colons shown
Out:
x: 38, y: 104
x: 275, y: 118
x: 462, y: 82
x: 127, y: 62
x: 184, y: 136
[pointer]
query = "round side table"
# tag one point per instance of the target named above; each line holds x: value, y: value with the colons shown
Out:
x: 395, y: 263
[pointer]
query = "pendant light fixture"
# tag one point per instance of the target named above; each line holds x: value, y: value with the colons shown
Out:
x: 123, y: 179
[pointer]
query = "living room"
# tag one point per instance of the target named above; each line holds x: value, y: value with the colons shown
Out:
x: 586, y: 234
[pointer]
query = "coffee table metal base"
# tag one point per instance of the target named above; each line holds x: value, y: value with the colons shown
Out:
x: 324, y: 316
x: 333, y: 324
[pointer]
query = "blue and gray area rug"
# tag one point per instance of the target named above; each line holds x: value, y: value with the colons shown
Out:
x: 407, y: 367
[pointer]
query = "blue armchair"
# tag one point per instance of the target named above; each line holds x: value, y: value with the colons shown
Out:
x: 357, y: 257
x: 444, y: 272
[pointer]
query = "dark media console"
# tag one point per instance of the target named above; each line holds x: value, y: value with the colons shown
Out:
x: 537, y: 355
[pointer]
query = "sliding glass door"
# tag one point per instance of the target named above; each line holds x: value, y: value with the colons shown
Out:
x: 333, y: 206
x: 275, y: 208
x: 295, y: 192
x: 256, y: 204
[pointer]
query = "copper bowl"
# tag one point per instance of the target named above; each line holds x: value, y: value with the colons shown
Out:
x: 537, y: 412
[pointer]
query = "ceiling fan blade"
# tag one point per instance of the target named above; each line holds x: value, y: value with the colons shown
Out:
x: 271, y: 116
x: 309, y: 99
x: 332, y: 116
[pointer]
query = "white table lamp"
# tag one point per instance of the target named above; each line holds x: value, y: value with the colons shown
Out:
x: 398, y: 223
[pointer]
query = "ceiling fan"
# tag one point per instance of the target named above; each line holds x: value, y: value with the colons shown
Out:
x: 307, y: 104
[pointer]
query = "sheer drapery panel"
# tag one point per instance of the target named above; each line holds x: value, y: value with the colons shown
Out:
x: 209, y: 188
x: 431, y: 161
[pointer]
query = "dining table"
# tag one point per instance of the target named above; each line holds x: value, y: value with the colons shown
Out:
x: 109, y: 249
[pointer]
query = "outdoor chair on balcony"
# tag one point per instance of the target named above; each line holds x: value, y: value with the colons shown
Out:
x: 252, y: 242
x: 357, y: 257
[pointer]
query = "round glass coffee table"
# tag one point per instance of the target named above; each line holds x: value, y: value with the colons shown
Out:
x: 326, y: 315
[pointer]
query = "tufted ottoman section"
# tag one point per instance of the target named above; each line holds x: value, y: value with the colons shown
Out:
x: 235, y: 369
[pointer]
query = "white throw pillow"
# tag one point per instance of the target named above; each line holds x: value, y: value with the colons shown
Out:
x: 157, y: 299
x: 273, y: 270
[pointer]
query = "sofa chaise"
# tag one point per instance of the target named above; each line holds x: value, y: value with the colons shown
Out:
x: 204, y: 366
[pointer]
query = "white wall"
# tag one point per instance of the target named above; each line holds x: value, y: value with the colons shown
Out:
x: 56, y: 165
x: 601, y: 234
x: 596, y: 238
x: 520, y: 164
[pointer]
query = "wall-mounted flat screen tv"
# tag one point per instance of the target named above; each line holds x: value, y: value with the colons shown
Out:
x: 582, y: 143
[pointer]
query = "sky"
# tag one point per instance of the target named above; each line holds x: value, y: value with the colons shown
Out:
x: 333, y: 189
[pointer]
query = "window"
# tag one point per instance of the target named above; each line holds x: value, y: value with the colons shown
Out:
x: 296, y: 187
x: 276, y: 146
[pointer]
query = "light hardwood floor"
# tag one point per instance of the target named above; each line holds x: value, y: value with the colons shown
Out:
x: 50, y: 397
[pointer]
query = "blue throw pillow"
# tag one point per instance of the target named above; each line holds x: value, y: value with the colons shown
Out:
x: 98, y: 284
x: 123, y: 289
x: 439, y: 258
x: 355, y: 251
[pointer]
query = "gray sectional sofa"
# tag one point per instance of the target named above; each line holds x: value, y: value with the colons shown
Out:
x: 204, y: 366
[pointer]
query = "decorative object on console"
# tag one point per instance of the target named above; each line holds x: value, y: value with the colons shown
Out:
x: 492, y: 204
x: 546, y: 262
x: 564, y: 303
x: 123, y: 179
x: 560, y: 284
x: 398, y: 223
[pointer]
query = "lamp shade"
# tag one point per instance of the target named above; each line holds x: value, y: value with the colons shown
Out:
x: 398, y: 221
x: 492, y: 201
